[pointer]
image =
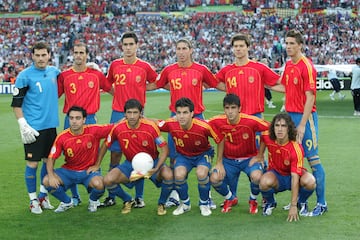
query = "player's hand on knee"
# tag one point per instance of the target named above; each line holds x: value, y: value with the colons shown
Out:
x: 28, y: 134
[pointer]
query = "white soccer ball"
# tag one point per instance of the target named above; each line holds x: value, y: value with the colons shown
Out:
x: 142, y: 162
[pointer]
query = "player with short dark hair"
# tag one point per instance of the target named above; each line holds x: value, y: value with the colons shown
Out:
x: 240, y: 152
x: 193, y: 149
x: 81, y: 86
x: 136, y: 134
x: 247, y: 79
x: 299, y: 81
x: 130, y: 77
x: 80, y: 145
x: 35, y: 105
x: 286, y: 168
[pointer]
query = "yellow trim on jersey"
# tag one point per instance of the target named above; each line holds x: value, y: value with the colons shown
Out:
x: 300, y: 156
x: 207, y: 126
x: 257, y: 119
x: 309, y: 68
x: 149, y: 122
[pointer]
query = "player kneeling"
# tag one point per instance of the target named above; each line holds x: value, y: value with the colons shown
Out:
x: 135, y: 135
x: 285, y: 171
x: 80, y: 145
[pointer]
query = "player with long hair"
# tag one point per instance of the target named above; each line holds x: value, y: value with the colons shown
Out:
x: 286, y: 168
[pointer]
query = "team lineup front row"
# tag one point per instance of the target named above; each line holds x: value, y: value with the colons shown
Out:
x: 233, y: 132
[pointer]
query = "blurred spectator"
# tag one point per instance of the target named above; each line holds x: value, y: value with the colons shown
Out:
x: 334, y: 36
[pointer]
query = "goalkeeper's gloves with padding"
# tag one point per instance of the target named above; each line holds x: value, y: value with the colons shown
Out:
x: 28, y: 134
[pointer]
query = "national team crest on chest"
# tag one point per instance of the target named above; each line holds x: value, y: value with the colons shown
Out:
x: 145, y: 143
x: 91, y: 84
x: 89, y: 145
x: 197, y: 143
x: 251, y: 79
x: 138, y: 78
x: 194, y: 81
x: 296, y: 81
x: 286, y: 162
x: 245, y: 136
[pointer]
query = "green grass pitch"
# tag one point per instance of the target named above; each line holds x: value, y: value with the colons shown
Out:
x: 339, y: 152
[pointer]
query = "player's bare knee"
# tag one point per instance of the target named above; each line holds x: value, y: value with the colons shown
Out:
x: 180, y: 173
x: 267, y: 181
x: 107, y: 180
x: 308, y: 181
x: 256, y: 176
x: 32, y: 164
x: 214, y: 178
x: 202, y: 172
x: 167, y: 174
x: 202, y: 175
x: 45, y: 181
x: 97, y: 182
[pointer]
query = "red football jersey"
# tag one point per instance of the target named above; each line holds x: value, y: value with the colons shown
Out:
x: 193, y: 141
x: 130, y: 81
x: 186, y: 82
x: 145, y: 138
x: 80, y: 151
x: 285, y: 159
x: 82, y: 89
x: 248, y: 82
x: 240, y: 138
x: 298, y: 78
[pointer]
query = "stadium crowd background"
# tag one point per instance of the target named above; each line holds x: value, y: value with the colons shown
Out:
x: 100, y: 25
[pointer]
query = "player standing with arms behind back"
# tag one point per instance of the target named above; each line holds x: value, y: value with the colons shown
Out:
x: 35, y: 105
x: 81, y: 86
x: 247, y: 79
x: 299, y: 79
x: 185, y: 78
x: 130, y: 76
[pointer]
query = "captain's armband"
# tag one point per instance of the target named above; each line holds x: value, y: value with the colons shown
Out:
x: 18, y: 96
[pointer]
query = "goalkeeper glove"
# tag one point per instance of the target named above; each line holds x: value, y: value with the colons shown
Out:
x: 28, y: 134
